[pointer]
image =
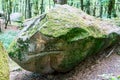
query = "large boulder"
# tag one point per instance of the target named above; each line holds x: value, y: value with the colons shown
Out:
x: 60, y: 39
x: 4, y: 68
x: 16, y: 17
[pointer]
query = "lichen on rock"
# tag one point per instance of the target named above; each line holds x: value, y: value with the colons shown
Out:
x: 60, y: 39
x: 4, y: 68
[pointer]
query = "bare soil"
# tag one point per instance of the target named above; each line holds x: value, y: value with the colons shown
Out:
x: 9, y: 27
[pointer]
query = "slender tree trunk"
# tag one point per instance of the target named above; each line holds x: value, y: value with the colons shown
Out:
x: 101, y: 10
x: 94, y: 10
x: 8, y: 4
x: 60, y: 2
x: 42, y: 6
x: 9, y: 10
x: 0, y: 27
x: 88, y: 7
x: 49, y: 4
x: 111, y: 6
x: 3, y: 5
x: 29, y: 9
x: 36, y: 8
x: 82, y: 6
x: 71, y: 3
x: 25, y: 9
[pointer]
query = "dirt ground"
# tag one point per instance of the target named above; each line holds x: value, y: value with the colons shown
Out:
x: 97, y: 67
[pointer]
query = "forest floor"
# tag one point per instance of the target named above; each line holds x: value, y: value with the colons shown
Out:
x: 97, y: 67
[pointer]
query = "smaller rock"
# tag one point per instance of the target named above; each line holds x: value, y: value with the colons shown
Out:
x: 16, y: 17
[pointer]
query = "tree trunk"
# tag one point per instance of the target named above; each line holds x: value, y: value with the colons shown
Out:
x: 49, y: 4
x: 3, y: 5
x: 111, y: 6
x: 25, y: 9
x: 88, y: 7
x: 101, y: 10
x: 94, y: 10
x: 42, y: 6
x: 0, y: 27
x: 60, y: 2
x: 71, y: 3
x: 36, y: 12
x: 29, y: 8
x: 8, y: 11
x: 29, y: 15
x: 81, y: 4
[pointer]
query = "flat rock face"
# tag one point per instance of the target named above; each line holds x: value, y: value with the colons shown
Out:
x: 60, y: 39
x: 4, y: 68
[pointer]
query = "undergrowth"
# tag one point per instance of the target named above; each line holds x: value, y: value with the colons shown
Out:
x: 7, y: 37
x: 109, y: 77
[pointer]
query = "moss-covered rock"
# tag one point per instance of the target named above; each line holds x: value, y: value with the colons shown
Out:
x: 4, y: 68
x: 60, y: 39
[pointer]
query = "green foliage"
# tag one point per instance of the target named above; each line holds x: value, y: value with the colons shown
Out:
x: 109, y: 77
x: 98, y: 8
x: 7, y: 37
x: 114, y: 78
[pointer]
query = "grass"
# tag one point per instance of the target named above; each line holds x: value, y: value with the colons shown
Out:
x: 7, y: 37
x: 109, y: 77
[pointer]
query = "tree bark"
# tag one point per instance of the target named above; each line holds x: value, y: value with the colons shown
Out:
x: 71, y: 3
x: 88, y: 7
x: 60, y: 2
x: 101, y: 10
x: 42, y: 6
x: 28, y: 9
x: 111, y: 6
x: 94, y: 10
x: 25, y: 9
x: 9, y: 10
x: 0, y: 27
x: 81, y: 4
x: 36, y: 12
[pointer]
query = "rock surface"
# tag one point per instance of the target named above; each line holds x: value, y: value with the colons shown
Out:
x: 1, y: 14
x: 16, y: 17
x: 4, y: 68
x: 60, y: 39
x: 95, y: 67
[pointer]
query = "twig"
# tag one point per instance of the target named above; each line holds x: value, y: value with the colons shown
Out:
x: 111, y: 51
